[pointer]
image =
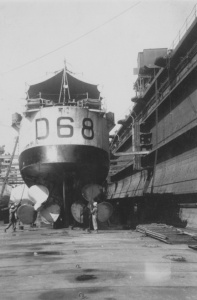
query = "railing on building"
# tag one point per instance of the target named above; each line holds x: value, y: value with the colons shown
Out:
x: 188, y: 22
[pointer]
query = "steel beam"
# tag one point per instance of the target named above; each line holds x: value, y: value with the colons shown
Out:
x: 131, y: 153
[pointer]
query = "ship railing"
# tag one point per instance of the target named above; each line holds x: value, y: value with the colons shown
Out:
x: 37, y: 103
x: 122, y: 138
x: 90, y: 103
x: 185, y: 60
x: 126, y: 134
x: 188, y: 22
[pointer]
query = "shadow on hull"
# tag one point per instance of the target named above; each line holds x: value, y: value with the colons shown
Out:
x: 85, y: 164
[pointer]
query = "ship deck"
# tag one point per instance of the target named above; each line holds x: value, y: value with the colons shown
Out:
x: 48, y: 264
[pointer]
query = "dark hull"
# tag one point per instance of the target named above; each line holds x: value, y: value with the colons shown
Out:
x: 86, y: 164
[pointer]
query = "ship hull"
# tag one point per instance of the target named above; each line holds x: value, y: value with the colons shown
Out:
x: 49, y: 163
x: 62, y: 140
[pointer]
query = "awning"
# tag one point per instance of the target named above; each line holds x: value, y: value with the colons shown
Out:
x: 50, y: 89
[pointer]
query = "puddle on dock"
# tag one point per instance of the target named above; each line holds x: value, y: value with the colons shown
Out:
x: 47, y: 256
x: 175, y: 257
x: 85, y: 277
x: 48, y: 253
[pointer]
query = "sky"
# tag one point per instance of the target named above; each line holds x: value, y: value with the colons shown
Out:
x: 99, y: 39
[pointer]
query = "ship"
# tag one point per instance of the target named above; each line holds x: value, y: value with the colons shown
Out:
x: 153, y: 172
x: 63, y: 147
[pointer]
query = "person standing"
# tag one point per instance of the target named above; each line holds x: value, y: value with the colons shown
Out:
x: 86, y: 218
x: 12, y: 216
x: 94, y: 213
x: 135, y: 215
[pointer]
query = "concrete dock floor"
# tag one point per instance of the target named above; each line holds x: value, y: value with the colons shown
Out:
x: 49, y: 264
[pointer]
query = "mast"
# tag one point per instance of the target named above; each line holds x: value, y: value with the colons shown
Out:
x: 65, y: 84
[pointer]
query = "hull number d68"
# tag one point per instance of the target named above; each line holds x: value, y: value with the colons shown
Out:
x: 65, y: 129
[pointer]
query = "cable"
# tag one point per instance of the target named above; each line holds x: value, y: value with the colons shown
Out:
x: 73, y: 41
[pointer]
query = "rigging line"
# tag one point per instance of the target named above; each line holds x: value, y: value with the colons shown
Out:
x: 61, y: 89
x: 72, y: 41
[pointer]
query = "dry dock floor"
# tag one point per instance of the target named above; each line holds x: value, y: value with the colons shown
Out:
x: 49, y: 264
